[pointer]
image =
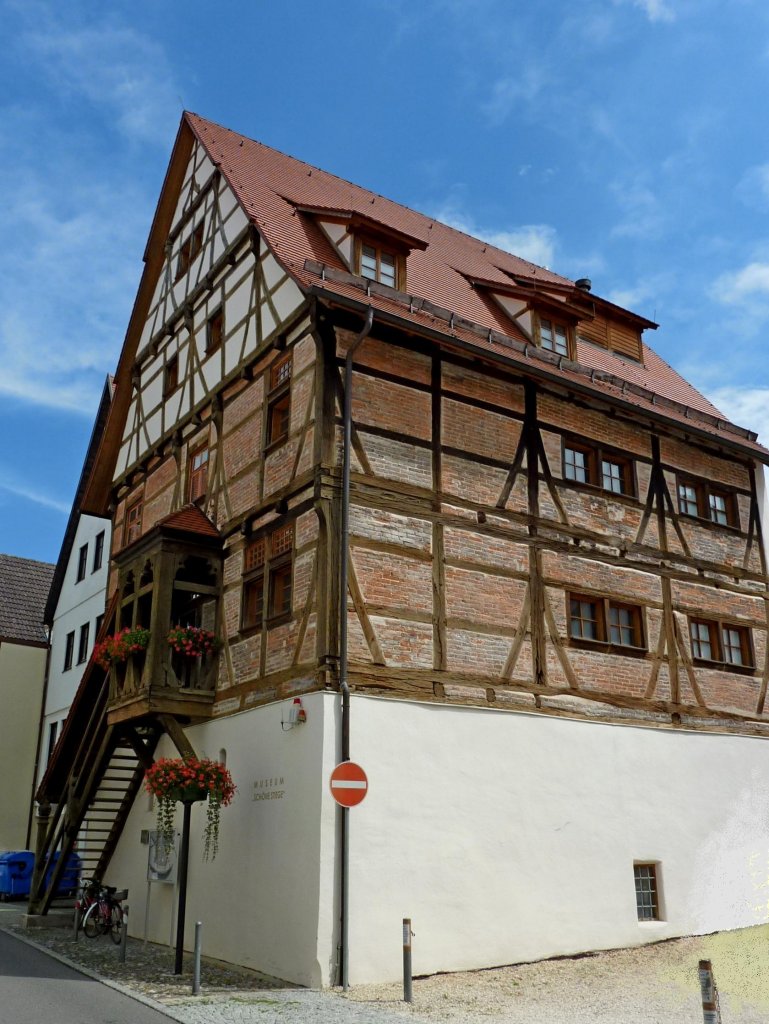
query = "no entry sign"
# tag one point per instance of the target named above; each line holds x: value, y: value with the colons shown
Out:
x: 348, y: 784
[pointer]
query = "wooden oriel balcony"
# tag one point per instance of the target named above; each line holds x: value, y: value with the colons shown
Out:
x: 170, y: 577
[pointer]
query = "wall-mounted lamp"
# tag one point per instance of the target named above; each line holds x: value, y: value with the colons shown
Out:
x: 294, y: 715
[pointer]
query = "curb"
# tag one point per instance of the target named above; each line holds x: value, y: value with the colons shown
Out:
x: 153, y: 1004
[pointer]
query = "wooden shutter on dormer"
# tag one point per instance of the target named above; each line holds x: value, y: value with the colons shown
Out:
x: 595, y: 330
x: 625, y: 340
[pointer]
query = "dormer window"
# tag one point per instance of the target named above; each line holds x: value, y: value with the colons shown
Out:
x: 378, y: 264
x: 554, y: 336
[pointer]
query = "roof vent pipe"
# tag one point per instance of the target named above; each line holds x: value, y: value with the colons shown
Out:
x: 584, y: 284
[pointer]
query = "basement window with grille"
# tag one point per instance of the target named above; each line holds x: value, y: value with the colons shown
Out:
x: 647, y: 891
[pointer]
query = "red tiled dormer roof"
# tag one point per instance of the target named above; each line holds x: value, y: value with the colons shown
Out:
x: 189, y: 519
x: 283, y: 196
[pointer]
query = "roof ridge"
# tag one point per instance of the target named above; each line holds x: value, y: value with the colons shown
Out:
x: 362, y: 188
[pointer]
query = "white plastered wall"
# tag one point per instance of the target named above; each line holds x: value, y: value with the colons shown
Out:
x: 259, y: 899
x: 511, y: 837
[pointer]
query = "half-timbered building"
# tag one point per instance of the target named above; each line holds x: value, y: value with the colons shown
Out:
x: 550, y: 648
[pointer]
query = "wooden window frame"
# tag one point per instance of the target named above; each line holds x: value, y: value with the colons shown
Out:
x: 197, y: 476
x: 595, y: 457
x: 53, y: 735
x: 646, y: 877
x: 98, y: 552
x: 277, y: 421
x: 69, y: 651
x: 82, y: 563
x: 189, y: 250
x: 604, y: 606
x: 704, y: 491
x: 171, y: 375
x: 132, y: 524
x: 380, y: 246
x: 83, y: 643
x: 719, y: 648
x: 554, y: 323
x: 215, y: 330
x: 268, y: 563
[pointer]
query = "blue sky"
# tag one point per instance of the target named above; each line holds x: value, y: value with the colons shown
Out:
x: 622, y: 140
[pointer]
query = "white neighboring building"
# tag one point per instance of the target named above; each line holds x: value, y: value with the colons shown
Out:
x: 76, y: 601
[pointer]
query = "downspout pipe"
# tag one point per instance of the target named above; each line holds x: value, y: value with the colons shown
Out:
x: 344, y: 685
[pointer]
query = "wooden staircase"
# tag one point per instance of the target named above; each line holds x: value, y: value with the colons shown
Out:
x: 88, y: 790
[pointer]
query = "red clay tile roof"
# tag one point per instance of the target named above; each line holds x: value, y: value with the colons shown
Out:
x: 189, y: 519
x: 274, y: 189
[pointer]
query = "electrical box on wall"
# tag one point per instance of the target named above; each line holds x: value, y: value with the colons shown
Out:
x: 293, y: 714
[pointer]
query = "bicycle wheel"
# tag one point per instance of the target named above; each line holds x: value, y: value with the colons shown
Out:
x: 92, y: 921
x: 116, y: 924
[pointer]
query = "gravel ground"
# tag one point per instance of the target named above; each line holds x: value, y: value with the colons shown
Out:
x: 651, y: 984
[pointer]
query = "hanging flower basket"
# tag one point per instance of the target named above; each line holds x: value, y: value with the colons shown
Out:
x: 175, y: 780
x: 120, y: 646
x: 192, y: 641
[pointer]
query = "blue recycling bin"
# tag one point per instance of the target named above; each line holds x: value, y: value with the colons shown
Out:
x: 70, y: 875
x: 16, y: 873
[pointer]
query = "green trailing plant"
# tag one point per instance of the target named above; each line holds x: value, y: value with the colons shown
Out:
x: 171, y: 780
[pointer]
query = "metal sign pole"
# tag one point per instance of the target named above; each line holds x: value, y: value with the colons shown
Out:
x: 184, y: 857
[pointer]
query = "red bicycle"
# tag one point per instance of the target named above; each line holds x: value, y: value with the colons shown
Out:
x: 106, y: 914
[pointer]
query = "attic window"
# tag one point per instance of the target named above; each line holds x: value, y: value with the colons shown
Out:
x: 554, y: 336
x: 189, y: 250
x: 378, y: 263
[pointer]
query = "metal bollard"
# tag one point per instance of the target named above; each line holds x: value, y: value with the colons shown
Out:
x: 407, y: 933
x: 711, y: 1011
x: 196, y: 968
x: 124, y: 934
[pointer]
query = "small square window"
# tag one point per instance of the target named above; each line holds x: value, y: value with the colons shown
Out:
x: 69, y: 651
x: 700, y: 499
x: 613, y: 476
x: 718, y: 507
x: 576, y: 465
x: 189, y: 250
x: 646, y: 892
x: 722, y: 643
x: 215, y: 330
x: 279, y: 402
x: 704, y: 642
x: 687, y: 499
x: 98, y: 552
x: 583, y: 619
x: 82, y: 563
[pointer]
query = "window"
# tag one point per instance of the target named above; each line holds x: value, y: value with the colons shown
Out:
x: 82, y: 562
x: 721, y: 642
x: 646, y: 892
x: 133, y: 522
x: 597, y: 467
x: 603, y: 620
x: 98, y: 552
x: 214, y: 330
x: 268, y: 569
x: 702, y: 500
x: 197, y: 479
x: 189, y: 250
x: 554, y: 336
x: 69, y: 651
x: 279, y: 401
x: 98, y: 625
x: 82, y: 644
x: 53, y: 730
x: 171, y: 376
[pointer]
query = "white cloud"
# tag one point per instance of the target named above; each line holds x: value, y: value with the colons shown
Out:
x: 747, y: 407
x: 111, y: 65
x: 533, y: 242
x: 23, y: 490
x: 512, y: 91
x: 655, y: 10
x: 751, y: 282
x: 643, y: 218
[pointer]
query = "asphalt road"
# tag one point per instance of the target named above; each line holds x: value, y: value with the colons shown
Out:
x: 36, y: 989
